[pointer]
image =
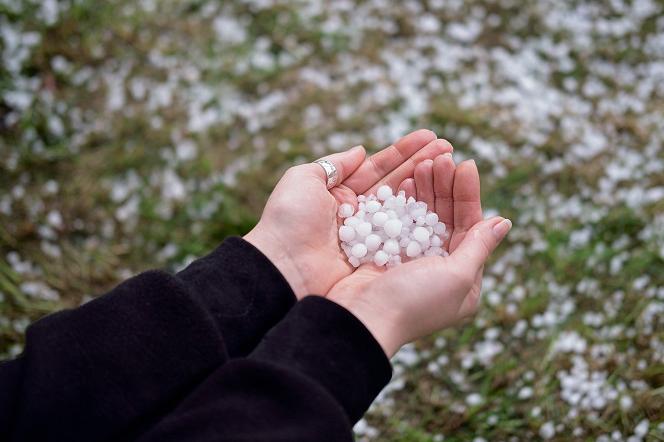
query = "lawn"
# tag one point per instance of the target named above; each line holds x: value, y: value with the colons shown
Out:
x: 139, y: 134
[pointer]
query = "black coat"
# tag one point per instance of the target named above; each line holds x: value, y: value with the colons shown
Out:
x: 220, y: 351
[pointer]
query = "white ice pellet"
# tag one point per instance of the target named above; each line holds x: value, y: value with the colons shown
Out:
x: 346, y: 233
x: 414, y: 248
x: 363, y: 228
x: 381, y: 258
x: 394, y: 261
x: 393, y: 227
x: 388, y: 228
x: 420, y: 234
x: 431, y: 219
x: 429, y: 252
x: 379, y: 219
x: 437, y: 251
x: 352, y: 221
x: 384, y: 192
x: 373, y: 206
x: 346, y: 210
x: 391, y: 247
x: 419, y: 211
x: 359, y: 250
x: 372, y: 242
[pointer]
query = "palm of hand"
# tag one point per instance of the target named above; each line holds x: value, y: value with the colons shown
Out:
x: 308, y: 230
x: 454, y: 193
x: 298, y: 230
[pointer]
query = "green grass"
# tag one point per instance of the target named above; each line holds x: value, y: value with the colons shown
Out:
x: 101, y: 149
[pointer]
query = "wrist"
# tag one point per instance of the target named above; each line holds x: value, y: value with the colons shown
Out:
x: 384, y: 325
x: 280, y: 256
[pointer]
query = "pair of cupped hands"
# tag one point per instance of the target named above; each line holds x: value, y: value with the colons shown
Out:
x: 298, y: 232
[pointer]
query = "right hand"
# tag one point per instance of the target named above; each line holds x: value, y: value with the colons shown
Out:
x: 432, y: 293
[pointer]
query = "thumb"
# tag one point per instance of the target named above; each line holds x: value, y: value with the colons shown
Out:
x: 345, y: 162
x: 480, y: 241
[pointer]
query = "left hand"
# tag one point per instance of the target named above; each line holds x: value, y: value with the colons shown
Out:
x: 431, y: 293
x: 298, y: 230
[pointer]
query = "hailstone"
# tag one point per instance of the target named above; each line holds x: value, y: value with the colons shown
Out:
x: 388, y: 228
x: 346, y: 233
x: 384, y: 192
x: 393, y: 227
x: 363, y: 228
x: 372, y: 242
x: 346, y: 210
x: 381, y: 258
x: 373, y: 206
x: 359, y: 250
x: 379, y: 219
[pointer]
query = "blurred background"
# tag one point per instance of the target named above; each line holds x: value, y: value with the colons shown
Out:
x: 139, y: 134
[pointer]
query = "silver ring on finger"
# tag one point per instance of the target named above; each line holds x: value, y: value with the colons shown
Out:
x: 330, y: 171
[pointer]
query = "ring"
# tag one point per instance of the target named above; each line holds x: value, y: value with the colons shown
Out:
x: 331, y: 172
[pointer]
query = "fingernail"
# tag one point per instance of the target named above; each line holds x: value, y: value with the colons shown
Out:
x: 448, y: 154
x: 358, y: 147
x: 501, y: 229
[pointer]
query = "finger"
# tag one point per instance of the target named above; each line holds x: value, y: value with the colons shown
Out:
x: 424, y: 183
x: 408, y: 186
x: 407, y: 169
x: 479, y: 242
x: 380, y: 164
x: 344, y: 195
x: 443, y: 184
x: 467, y: 203
x: 345, y: 162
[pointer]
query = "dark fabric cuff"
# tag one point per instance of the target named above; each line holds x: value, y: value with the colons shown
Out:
x: 245, y: 293
x: 324, y: 341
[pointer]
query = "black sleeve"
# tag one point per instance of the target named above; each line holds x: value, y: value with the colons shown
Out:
x: 311, y: 378
x: 242, y: 290
x: 112, y: 367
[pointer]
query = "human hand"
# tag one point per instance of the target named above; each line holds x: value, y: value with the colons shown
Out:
x: 298, y: 229
x: 431, y: 293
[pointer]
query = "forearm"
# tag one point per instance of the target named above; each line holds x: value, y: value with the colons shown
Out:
x: 311, y: 378
x: 110, y: 366
x: 114, y: 363
x: 243, y: 291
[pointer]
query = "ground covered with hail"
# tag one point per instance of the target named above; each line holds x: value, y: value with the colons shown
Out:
x: 136, y: 134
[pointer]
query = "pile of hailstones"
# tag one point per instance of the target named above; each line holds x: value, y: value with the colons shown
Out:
x: 388, y: 228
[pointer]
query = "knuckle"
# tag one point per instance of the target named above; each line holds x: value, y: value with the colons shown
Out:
x: 291, y: 170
